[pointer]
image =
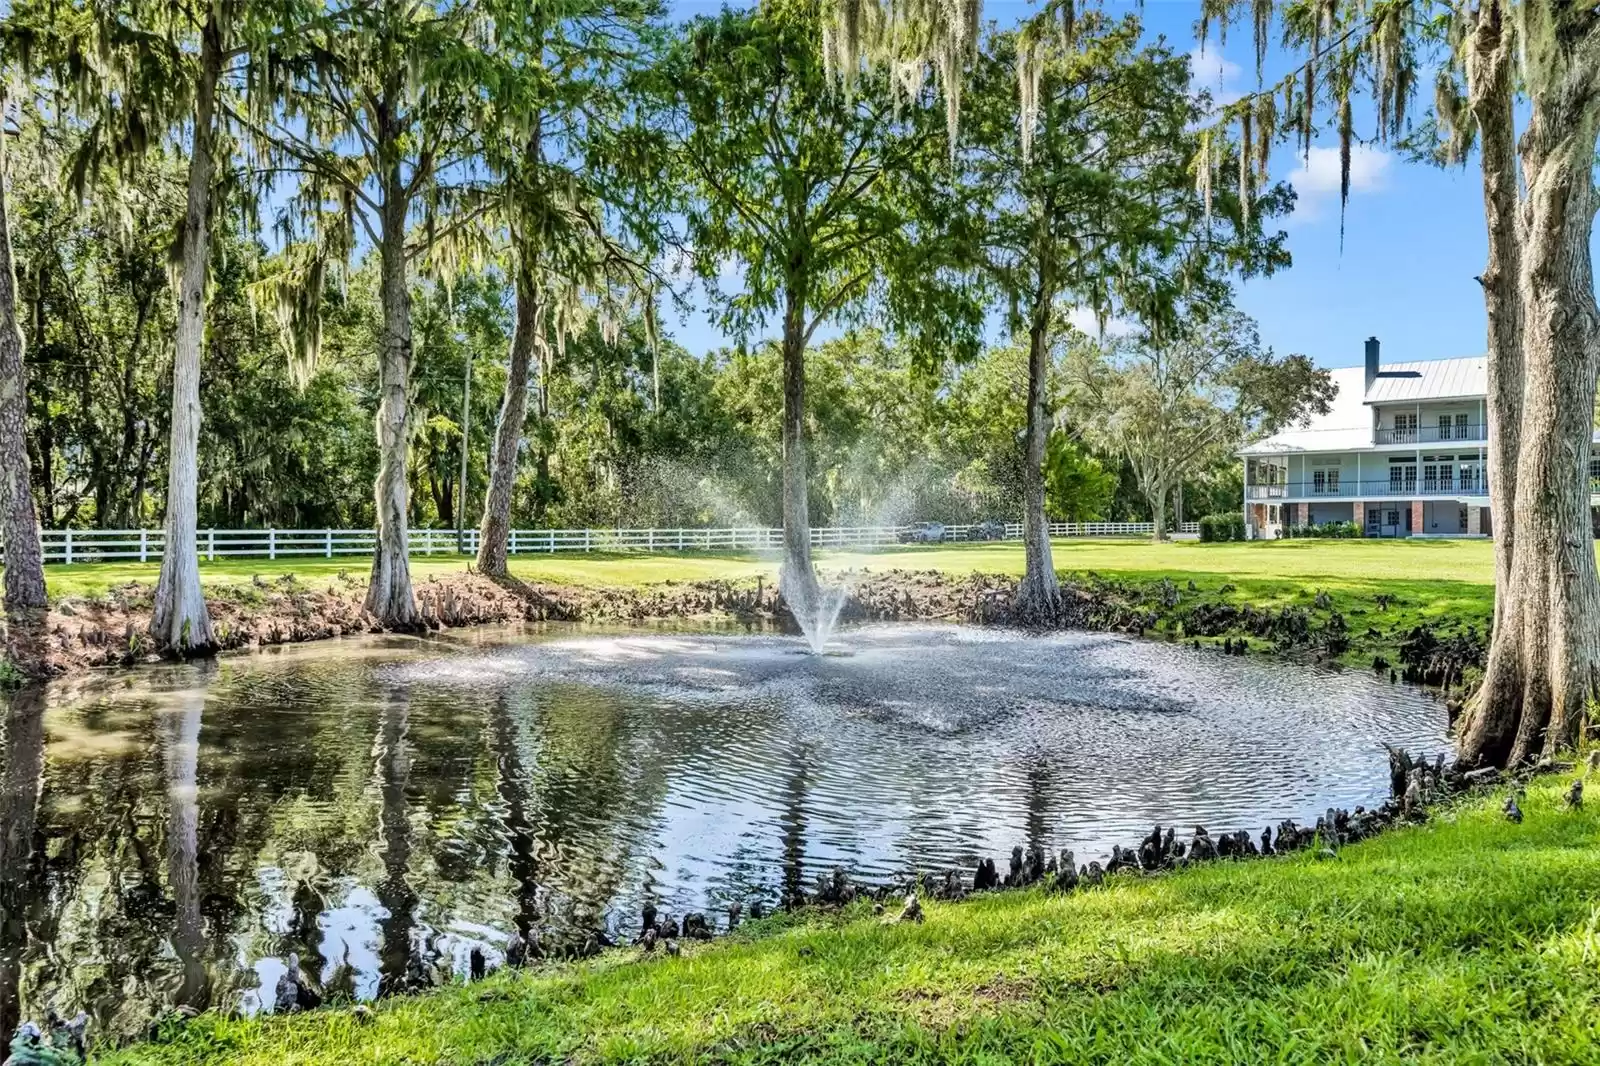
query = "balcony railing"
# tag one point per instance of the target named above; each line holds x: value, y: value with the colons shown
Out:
x: 1461, y: 483
x: 1432, y: 434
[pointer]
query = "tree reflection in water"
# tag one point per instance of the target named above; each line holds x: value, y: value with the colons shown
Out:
x: 381, y: 805
x: 21, y: 857
x: 401, y: 968
x: 183, y: 845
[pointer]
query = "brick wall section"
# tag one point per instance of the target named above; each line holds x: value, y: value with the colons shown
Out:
x: 1475, y: 521
x: 1302, y: 514
x: 1416, y: 517
x: 1360, y: 515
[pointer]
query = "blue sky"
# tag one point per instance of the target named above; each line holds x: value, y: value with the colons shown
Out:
x: 1413, y: 234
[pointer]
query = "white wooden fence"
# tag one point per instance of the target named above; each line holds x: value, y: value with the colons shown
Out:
x: 144, y: 545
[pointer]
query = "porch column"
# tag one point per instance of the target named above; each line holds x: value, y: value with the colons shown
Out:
x: 1416, y: 517
x: 1249, y: 529
x: 1475, y: 521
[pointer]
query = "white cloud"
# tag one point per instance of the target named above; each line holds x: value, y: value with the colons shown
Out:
x: 1316, y: 180
x: 1083, y: 319
x: 1211, y: 71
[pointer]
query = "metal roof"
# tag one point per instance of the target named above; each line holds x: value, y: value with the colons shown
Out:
x: 1346, y: 426
x: 1430, y: 379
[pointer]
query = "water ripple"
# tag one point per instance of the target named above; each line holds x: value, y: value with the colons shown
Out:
x: 380, y: 806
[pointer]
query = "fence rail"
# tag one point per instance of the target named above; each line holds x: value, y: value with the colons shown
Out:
x: 145, y: 545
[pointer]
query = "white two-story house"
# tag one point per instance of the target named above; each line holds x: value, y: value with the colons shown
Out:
x: 1401, y: 453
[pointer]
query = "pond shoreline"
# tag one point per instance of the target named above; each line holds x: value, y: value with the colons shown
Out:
x: 89, y: 633
x: 1454, y: 834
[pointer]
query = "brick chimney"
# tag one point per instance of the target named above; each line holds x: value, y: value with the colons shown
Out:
x: 1372, y: 361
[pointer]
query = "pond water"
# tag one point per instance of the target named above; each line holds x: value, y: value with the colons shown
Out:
x: 382, y: 805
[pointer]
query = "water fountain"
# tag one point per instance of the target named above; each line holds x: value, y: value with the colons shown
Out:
x: 815, y: 606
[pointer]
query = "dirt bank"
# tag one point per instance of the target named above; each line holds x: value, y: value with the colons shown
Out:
x: 109, y: 630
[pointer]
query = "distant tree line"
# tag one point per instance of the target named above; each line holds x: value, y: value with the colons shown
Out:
x: 303, y: 264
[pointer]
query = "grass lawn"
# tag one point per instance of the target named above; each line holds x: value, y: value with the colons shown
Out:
x: 1465, y: 940
x: 1353, y: 563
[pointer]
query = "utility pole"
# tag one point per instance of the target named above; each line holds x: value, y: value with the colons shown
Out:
x: 466, y: 432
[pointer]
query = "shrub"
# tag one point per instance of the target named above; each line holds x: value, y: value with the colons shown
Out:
x: 1215, y: 528
x: 1327, y: 530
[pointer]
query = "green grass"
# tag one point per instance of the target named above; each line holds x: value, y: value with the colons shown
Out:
x: 1357, y: 563
x: 1465, y: 940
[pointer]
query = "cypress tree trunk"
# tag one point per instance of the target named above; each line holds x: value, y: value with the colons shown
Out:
x: 179, y: 620
x: 1550, y: 625
x: 496, y: 528
x: 798, y: 580
x: 389, y: 597
x: 1491, y: 719
x: 1039, y: 593
x: 25, y: 598
x: 1158, y: 512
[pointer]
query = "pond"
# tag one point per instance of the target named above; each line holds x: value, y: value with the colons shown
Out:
x: 381, y: 805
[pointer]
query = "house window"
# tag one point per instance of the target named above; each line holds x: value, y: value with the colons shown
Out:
x: 1444, y: 427
x: 1403, y: 474
x: 1405, y: 428
x: 1462, y: 432
x: 1325, y: 482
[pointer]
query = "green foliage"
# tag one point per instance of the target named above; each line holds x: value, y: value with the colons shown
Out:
x: 1325, y: 530
x: 1217, y: 528
x: 1077, y: 488
x: 823, y: 203
x: 1177, y: 405
x: 1089, y: 200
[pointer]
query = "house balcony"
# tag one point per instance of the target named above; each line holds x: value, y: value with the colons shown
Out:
x: 1461, y: 483
x: 1431, y: 434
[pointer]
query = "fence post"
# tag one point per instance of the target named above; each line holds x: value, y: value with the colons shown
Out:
x: 211, y: 545
x: 144, y: 545
x: 327, y: 544
x: 588, y: 535
x: 272, y: 544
